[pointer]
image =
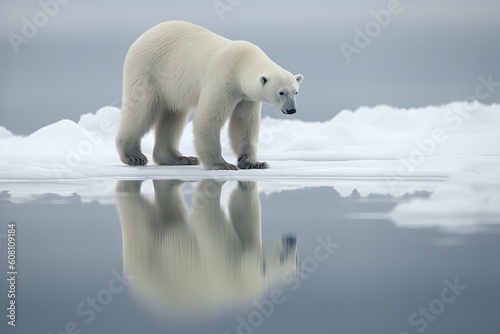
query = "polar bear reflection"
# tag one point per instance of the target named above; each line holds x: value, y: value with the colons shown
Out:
x: 214, y: 261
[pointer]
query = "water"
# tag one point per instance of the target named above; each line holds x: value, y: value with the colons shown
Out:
x: 173, y: 256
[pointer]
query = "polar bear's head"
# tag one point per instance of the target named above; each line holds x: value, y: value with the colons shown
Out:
x: 279, y: 89
x: 281, y: 259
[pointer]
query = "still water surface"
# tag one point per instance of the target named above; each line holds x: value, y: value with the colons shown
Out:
x: 221, y: 257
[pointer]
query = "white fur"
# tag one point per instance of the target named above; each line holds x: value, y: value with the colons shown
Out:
x: 177, y: 66
x: 213, y: 260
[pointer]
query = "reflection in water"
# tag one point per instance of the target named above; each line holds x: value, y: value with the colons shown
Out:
x: 215, y: 260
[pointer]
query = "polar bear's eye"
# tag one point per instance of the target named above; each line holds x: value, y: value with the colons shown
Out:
x: 281, y: 93
x: 296, y: 93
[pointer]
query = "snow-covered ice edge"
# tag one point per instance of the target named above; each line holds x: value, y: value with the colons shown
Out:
x: 404, y: 143
x: 450, y: 150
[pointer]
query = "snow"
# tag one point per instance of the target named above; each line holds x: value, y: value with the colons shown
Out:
x: 414, y: 138
x: 467, y: 201
x: 451, y: 150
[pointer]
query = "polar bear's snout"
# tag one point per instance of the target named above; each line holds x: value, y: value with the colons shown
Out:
x: 289, y: 107
x: 286, y: 100
x: 288, y: 248
x: 289, y: 241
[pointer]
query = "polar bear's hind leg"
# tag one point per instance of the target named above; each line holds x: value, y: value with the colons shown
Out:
x: 134, y: 124
x: 168, y: 132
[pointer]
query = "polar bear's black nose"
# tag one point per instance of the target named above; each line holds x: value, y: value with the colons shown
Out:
x: 291, y: 111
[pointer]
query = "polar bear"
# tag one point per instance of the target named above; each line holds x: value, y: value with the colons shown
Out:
x: 177, y: 66
x: 209, y: 261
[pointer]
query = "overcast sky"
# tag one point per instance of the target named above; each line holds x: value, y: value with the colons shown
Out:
x: 428, y: 52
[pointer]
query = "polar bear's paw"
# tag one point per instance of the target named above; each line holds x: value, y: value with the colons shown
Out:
x: 192, y: 160
x: 136, y: 159
x: 221, y: 166
x: 255, y: 165
x: 244, y: 163
x: 183, y: 160
x: 165, y: 159
x: 128, y: 186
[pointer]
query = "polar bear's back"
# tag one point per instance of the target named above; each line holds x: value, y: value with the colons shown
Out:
x: 181, y: 36
x: 169, y: 54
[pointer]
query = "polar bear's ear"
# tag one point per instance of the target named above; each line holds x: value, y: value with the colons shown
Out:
x: 299, y: 78
x: 263, y: 79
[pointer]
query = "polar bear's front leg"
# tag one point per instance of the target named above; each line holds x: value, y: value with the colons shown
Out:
x: 244, y: 128
x: 208, y: 121
x: 244, y: 211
